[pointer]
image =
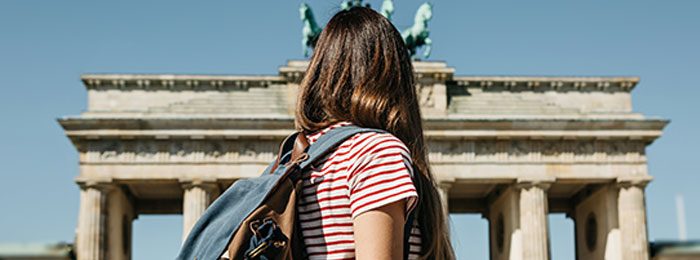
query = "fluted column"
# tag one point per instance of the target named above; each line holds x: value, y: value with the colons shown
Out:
x: 444, y: 189
x: 632, y: 219
x: 533, y: 219
x: 92, y: 221
x: 198, y: 195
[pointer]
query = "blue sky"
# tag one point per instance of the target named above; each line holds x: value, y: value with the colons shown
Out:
x: 46, y: 45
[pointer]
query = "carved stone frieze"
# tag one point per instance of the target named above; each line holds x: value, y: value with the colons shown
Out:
x: 232, y: 151
x: 507, y: 151
x: 178, y: 151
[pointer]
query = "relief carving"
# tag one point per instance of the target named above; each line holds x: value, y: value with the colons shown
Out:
x: 226, y: 151
x: 158, y: 151
x: 536, y: 151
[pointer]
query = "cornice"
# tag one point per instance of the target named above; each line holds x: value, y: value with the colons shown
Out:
x: 433, y: 71
x: 530, y: 83
x: 180, y: 82
x: 278, y: 127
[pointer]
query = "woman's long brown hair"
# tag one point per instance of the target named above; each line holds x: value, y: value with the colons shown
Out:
x: 361, y: 72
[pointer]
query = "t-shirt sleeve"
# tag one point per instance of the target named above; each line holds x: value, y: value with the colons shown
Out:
x: 381, y: 174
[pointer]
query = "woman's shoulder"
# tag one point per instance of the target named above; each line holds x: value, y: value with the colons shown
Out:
x: 376, y: 138
x: 366, y: 142
x: 374, y: 144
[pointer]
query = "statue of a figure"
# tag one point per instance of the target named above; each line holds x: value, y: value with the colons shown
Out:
x: 387, y: 6
x: 417, y: 35
x: 311, y: 30
x: 387, y: 9
x: 347, y: 4
x: 414, y: 37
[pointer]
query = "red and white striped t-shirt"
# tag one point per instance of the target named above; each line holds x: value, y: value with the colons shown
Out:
x: 365, y: 172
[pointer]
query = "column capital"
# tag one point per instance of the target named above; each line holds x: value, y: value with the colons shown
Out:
x: 208, y: 185
x: 443, y: 189
x: 633, y: 181
x: 544, y: 182
x: 104, y: 185
x: 198, y: 194
x: 446, y: 185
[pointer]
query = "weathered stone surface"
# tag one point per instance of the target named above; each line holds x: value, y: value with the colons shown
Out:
x: 511, y: 148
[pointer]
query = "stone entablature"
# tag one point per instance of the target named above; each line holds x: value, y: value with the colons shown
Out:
x: 260, y: 151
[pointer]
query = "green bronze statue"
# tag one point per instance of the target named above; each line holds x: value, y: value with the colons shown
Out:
x: 414, y: 37
x: 347, y: 4
x: 387, y: 6
x: 311, y: 30
x: 387, y: 9
x: 417, y: 35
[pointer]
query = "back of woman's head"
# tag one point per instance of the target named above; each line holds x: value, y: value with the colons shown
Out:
x: 361, y: 72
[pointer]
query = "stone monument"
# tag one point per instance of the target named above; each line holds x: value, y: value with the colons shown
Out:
x: 512, y: 149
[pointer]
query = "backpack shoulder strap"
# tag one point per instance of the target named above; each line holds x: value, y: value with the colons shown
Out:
x: 332, y: 139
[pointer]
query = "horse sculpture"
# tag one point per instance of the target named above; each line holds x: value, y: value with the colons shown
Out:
x: 414, y: 37
x: 387, y: 9
x: 347, y: 4
x: 311, y: 30
x: 417, y: 35
x: 387, y: 6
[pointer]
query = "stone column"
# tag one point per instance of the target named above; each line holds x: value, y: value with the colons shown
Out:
x: 444, y: 189
x: 533, y: 219
x: 632, y: 219
x: 91, y: 238
x: 198, y: 195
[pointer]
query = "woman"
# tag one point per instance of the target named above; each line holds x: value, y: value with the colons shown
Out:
x: 355, y: 202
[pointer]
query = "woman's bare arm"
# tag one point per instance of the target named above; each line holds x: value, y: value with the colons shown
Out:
x: 379, y: 232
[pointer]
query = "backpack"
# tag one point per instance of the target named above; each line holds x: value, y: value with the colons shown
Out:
x: 256, y: 218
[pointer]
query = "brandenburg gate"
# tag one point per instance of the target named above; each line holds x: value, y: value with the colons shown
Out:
x: 512, y: 149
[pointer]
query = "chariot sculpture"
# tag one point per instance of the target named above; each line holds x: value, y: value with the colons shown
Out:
x: 414, y: 37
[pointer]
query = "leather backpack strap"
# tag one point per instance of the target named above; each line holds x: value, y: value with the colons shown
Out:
x: 295, y: 144
x: 299, y: 148
x: 284, y: 148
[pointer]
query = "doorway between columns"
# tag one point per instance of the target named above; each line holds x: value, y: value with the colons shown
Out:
x: 156, y: 236
x: 562, y: 237
x: 470, y: 236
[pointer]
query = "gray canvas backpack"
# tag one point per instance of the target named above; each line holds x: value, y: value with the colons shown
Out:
x: 256, y: 218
